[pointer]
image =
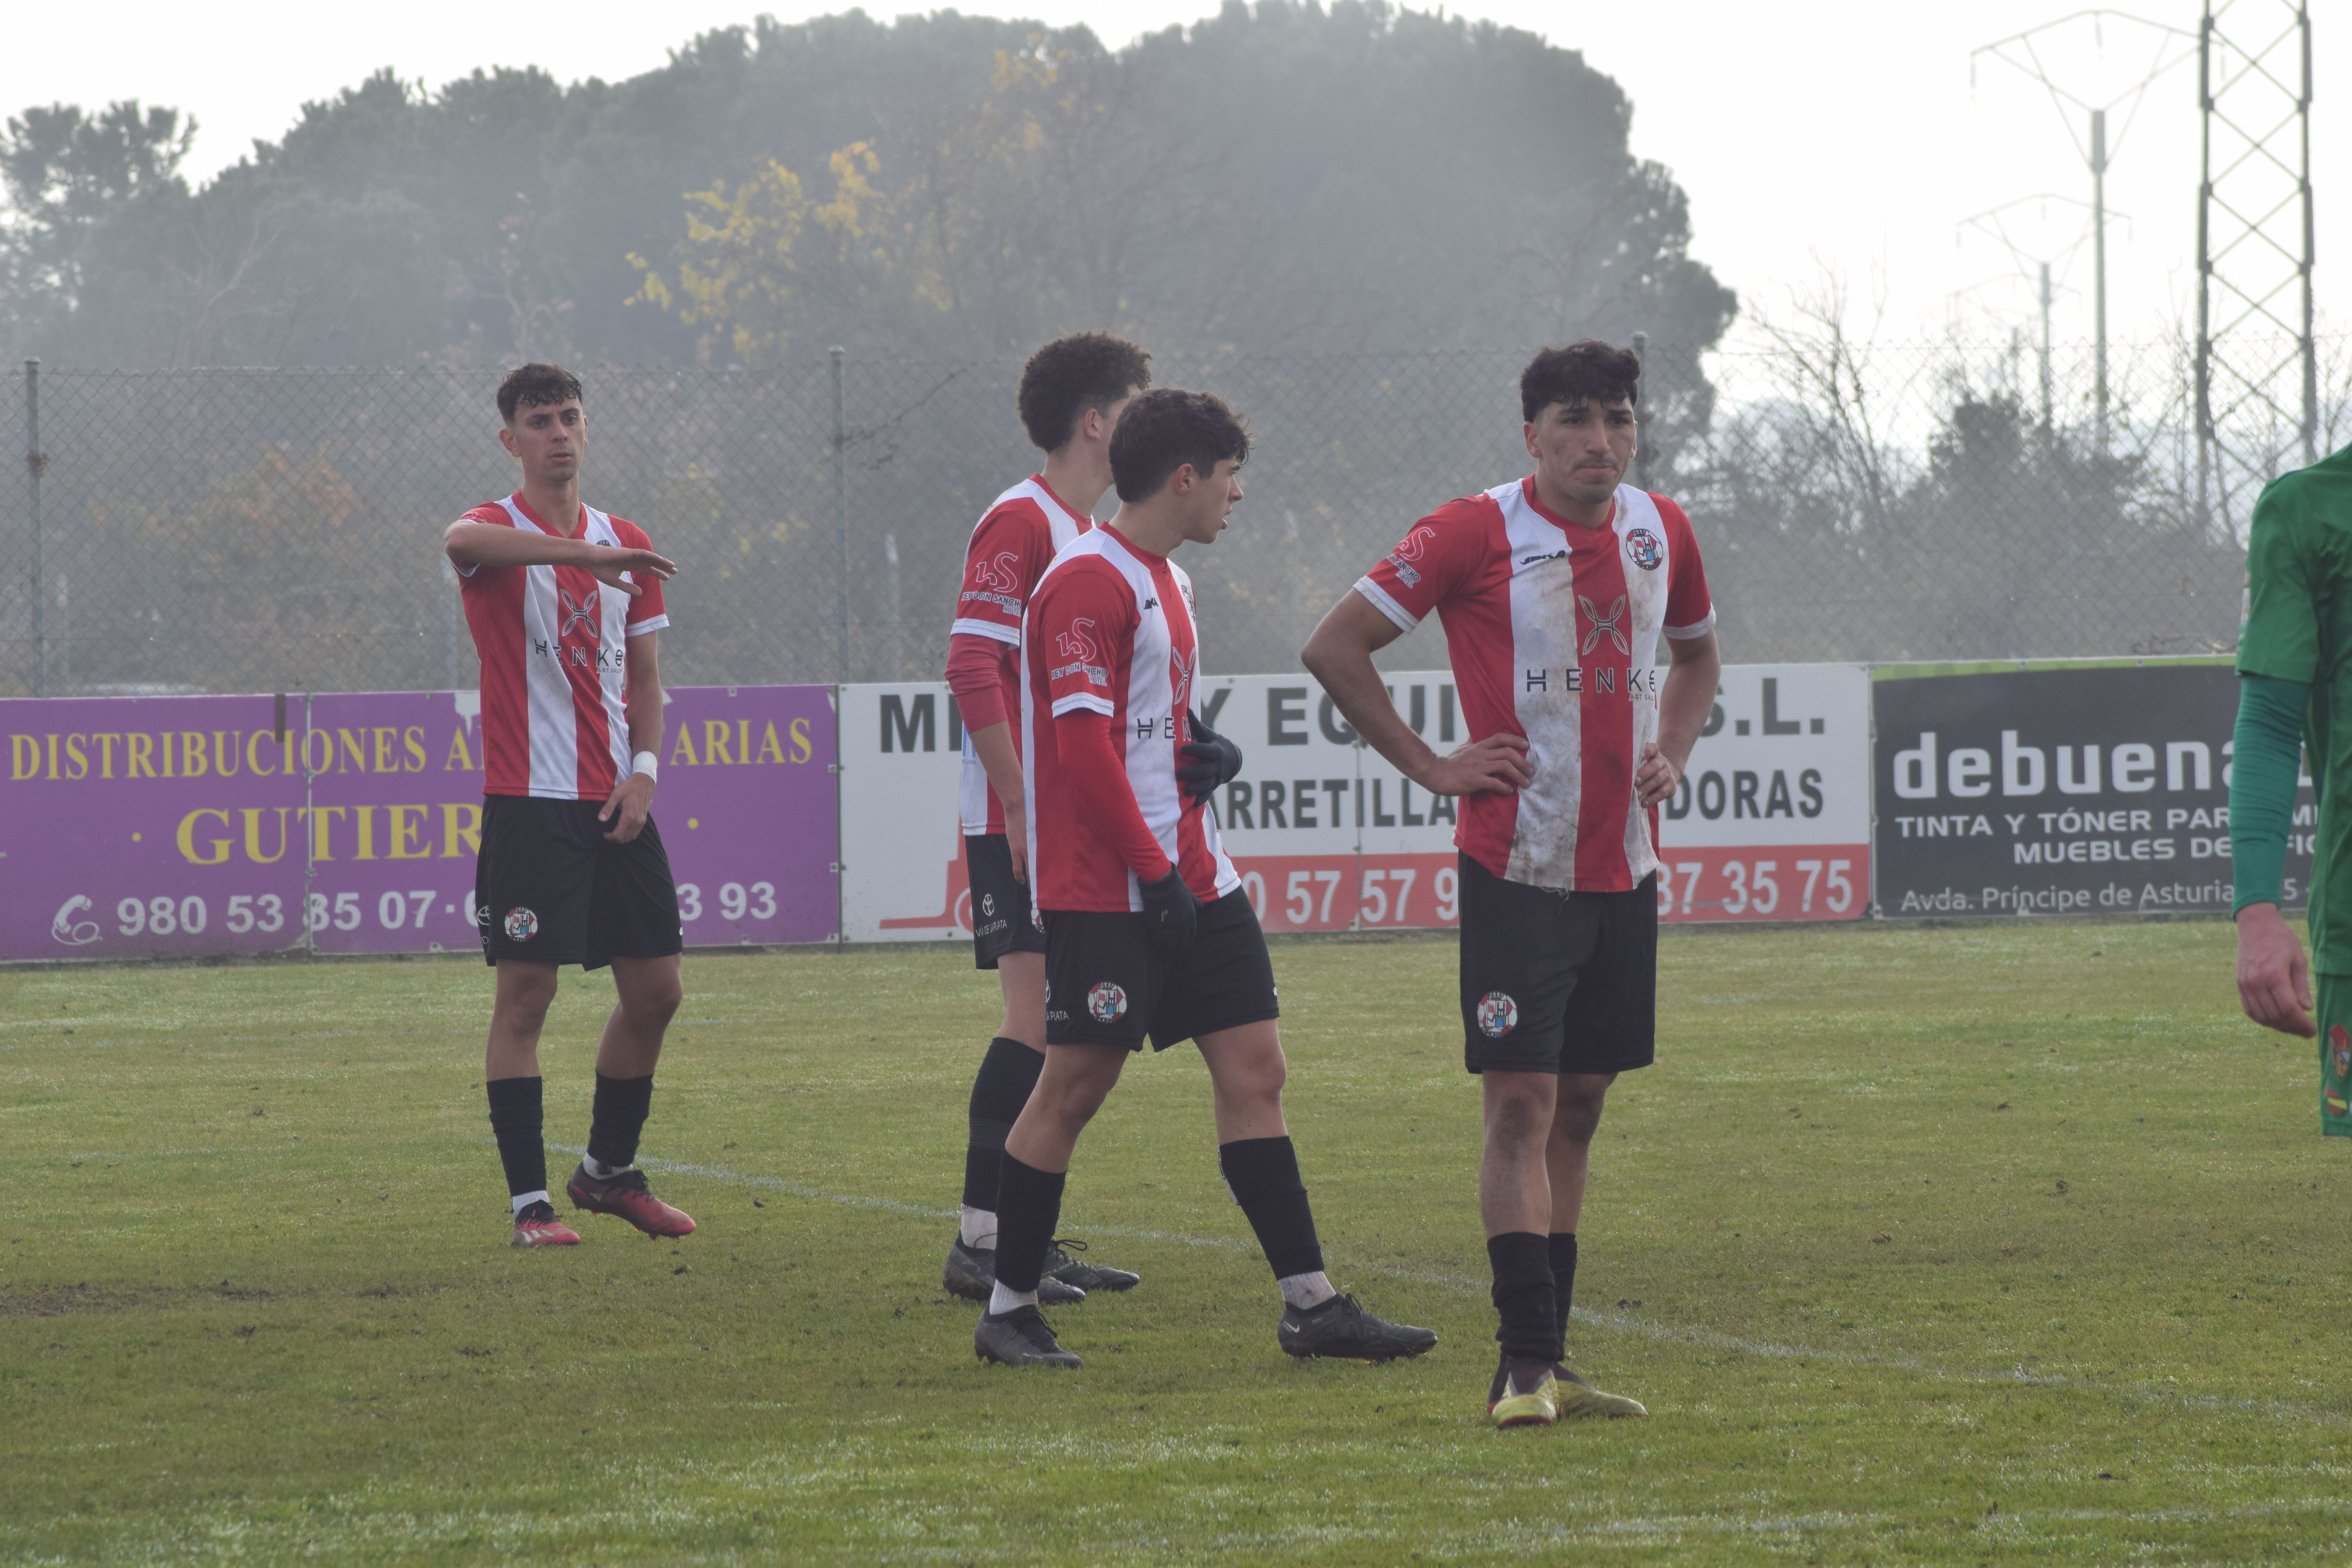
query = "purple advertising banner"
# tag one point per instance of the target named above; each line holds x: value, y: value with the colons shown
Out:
x: 205, y: 826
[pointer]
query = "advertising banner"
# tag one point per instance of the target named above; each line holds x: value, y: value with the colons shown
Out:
x: 1773, y: 823
x: 349, y: 823
x: 1772, y: 819
x: 2059, y: 789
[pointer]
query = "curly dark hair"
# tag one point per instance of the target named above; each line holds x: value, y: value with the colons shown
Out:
x: 1163, y: 430
x: 1588, y: 371
x: 1072, y: 375
x: 535, y: 385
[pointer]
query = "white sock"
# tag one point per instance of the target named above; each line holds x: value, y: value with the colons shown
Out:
x: 600, y: 1171
x: 1001, y: 1300
x: 524, y: 1200
x: 1305, y: 1290
x: 980, y: 1228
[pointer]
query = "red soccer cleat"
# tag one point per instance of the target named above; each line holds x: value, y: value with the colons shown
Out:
x: 627, y: 1196
x: 538, y: 1227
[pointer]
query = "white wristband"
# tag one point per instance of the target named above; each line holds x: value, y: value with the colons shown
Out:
x: 646, y: 763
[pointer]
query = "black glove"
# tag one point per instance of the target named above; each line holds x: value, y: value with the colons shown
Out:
x: 1171, y: 914
x: 1210, y: 761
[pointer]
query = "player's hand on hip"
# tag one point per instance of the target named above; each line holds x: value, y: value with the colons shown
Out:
x: 627, y: 807
x: 1499, y: 764
x: 1016, y: 839
x: 1657, y: 777
x: 2273, y: 972
x: 606, y: 565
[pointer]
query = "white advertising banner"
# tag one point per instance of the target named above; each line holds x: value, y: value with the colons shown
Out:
x: 1773, y: 822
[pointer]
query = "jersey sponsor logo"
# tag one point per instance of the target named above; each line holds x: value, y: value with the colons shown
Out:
x: 1497, y: 1014
x: 1603, y: 625
x: 1542, y: 556
x: 1078, y: 647
x: 1607, y: 679
x: 1644, y: 549
x: 521, y: 924
x: 1180, y: 680
x: 1160, y: 729
x: 576, y: 613
x: 1107, y: 1002
x: 1409, y: 552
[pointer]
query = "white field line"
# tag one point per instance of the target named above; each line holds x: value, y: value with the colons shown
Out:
x: 1621, y: 1322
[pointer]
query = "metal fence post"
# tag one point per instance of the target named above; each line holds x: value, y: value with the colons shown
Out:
x: 1641, y: 411
x: 841, y: 518
x: 34, y: 461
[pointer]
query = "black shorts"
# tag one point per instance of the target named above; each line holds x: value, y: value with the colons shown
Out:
x: 1104, y: 987
x: 1001, y: 919
x: 550, y: 887
x: 1556, y: 982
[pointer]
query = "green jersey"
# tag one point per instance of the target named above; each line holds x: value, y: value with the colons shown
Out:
x: 2299, y: 629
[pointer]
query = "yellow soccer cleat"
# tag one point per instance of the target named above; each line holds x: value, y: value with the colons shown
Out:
x: 1571, y: 1395
x: 1522, y: 1401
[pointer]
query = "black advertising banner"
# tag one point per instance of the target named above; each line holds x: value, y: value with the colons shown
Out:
x: 2059, y: 789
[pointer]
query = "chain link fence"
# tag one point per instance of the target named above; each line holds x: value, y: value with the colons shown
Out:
x: 278, y: 529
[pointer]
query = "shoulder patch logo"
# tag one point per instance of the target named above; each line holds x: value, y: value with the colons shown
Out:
x: 1645, y: 549
x: 1497, y: 1014
x: 1409, y: 552
x: 1000, y: 576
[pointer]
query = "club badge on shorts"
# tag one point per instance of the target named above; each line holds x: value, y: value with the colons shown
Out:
x: 1497, y: 1014
x: 521, y: 924
x: 1107, y: 1002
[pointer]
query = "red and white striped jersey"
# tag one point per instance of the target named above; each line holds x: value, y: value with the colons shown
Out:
x: 1109, y: 630
x: 553, y: 646
x: 1553, y: 633
x: 1015, y: 541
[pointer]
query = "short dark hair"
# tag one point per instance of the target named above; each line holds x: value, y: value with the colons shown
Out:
x: 1161, y: 431
x: 1072, y: 375
x: 535, y: 385
x: 1589, y: 371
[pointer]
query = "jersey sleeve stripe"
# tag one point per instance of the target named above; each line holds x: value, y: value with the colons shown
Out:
x: 652, y: 624
x: 1695, y: 630
x: 1380, y: 600
x: 997, y: 629
x: 1087, y: 701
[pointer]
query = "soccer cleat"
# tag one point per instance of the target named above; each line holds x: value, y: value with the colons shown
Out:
x: 1527, y: 1399
x: 1020, y: 1338
x: 1571, y: 1395
x: 1089, y: 1276
x: 627, y: 1196
x: 1340, y: 1328
x: 537, y: 1225
x: 972, y: 1274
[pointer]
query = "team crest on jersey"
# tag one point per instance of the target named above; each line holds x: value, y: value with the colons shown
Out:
x: 521, y: 924
x: 1644, y: 548
x: 2339, y: 1050
x: 1107, y: 1002
x: 1497, y: 1014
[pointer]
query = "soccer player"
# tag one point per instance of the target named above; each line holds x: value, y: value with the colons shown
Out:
x: 2291, y: 689
x: 1071, y: 392
x: 1148, y: 933
x: 565, y: 606
x: 1553, y: 590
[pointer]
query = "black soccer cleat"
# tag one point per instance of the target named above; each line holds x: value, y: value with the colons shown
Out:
x: 1086, y: 1276
x: 1020, y: 1338
x: 970, y: 1273
x: 1342, y: 1329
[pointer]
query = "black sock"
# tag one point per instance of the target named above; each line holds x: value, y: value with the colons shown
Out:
x: 1007, y: 1073
x: 515, y: 1121
x: 1563, y: 1275
x: 1028, y: 1206
x: 1523, y: 1299
x: 617, y: 1118
x: 1263, y: 1176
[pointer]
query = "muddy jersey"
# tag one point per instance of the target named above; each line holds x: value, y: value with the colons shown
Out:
x: 1015, y: 541
x: 554, y: 643
x: 1109, y: 630
x: 1553, y: 630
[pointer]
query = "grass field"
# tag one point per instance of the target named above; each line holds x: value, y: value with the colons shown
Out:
x: 2004, y: 1244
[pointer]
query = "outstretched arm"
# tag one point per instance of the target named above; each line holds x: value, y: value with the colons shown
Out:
x: 470, y: 545
x: 1339, y: 655
x: 2273, y: 972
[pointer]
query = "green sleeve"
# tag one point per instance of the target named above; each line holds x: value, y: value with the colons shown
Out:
x: 2282, y: 633
x: 2265, y: 758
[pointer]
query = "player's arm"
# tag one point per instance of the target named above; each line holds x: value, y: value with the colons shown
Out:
x: 975, y: 678
x: 1682, y: 707
x: 1339, y: 655
x: 2273, y: 972
x: 474, y: 544
x: 641, y: 698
